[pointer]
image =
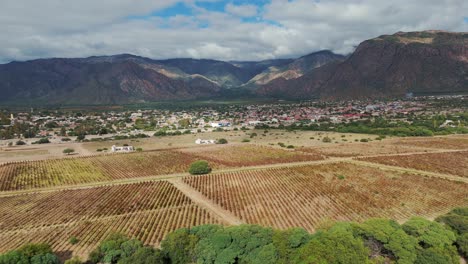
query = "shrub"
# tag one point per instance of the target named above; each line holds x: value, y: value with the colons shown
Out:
x: 246, y: 140
x: 42, y: 141
x: 68, y: 151
x: 221, y: 141
x: 20, y: 143
x: 281, y: 144
x: 74, y: 260
x: 290, y: 147
x: 327, y: 140
x: 73, y: 240
x: 139, y: 149
x: 66, y: 139
x: 199, y: 167
x: 364, y: 140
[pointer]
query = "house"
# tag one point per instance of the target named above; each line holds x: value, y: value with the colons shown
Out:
x: 122, y: 149
x: 205, y: 141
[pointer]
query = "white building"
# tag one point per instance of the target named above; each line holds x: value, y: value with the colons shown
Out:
x: 122, y: 149
x: 205, y: 141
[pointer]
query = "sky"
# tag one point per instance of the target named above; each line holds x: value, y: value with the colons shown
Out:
x: 214, y: 29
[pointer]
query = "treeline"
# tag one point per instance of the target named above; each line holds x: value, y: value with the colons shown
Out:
x: 375, y: 241
x: 416, y: 126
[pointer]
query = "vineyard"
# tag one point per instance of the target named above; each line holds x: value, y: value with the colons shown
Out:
x: 147, y: 211
x: 49, y: 173
x: 361, y: 149
x: 251, y: 155
x: 436, y: 142
x: 455, y: 163
x: 306, y: 196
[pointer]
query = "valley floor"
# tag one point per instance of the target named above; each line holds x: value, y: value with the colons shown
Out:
x: 49, y: 197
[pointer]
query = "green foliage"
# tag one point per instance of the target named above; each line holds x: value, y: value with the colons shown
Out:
x: 118, y: 248
x: 435, y: 241
x: 179, y: 246
x: 462, y: 243
x: 456, y: 219
x: 326, y: 140
x: 199, y: 167
x: 20, y: 143
x: 402, y: 246
x: 30, y: 254
x: 73, y: 240
x: 221, y: 141
x: 42, y: 141
x: 68, y: 151
x: 337, y: 245
x: 74, y: 260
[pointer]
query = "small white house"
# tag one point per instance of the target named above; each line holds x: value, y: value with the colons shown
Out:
x: 122, y: 149
x: 205, y: 141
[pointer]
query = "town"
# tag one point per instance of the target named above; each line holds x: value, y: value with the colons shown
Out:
x: 440, y: 114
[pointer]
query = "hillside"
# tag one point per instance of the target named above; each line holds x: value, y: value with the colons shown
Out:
x: 421, y: 63
x: 297, y: 68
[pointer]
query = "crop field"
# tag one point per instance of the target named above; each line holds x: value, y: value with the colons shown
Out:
x: 251, y: 155
x: 72, y: 171
x: 455, y: 163
x: 451, y: 142
x: 147, y: 211
x: 306, y: 196
x: 362, y: 149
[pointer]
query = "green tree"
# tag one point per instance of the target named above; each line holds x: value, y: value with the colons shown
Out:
x: 221, y: 141
x: 389, y: 233
x: 337, y: 245
x: 68, y: 151
x: 199, y: 167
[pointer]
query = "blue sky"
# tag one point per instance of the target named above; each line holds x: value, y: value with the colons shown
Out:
x: 214, y: 29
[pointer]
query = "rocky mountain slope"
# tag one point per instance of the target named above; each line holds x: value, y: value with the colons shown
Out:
x: 428, y: 62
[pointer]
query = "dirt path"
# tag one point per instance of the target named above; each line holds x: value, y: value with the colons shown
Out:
x: 206, y: 203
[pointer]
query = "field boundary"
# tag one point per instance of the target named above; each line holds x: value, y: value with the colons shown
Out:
x: 206, y: 203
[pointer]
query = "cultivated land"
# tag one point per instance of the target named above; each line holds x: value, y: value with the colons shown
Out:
x: 148, y: 194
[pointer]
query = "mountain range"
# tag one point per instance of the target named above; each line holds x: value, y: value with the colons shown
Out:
x: 427, y: 62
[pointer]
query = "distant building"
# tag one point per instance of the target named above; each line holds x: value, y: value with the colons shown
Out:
x: 122, y: 149
x: 205, y: 141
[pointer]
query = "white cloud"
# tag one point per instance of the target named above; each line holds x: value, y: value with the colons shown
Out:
x: 242, y: 10
x: 61, y: 28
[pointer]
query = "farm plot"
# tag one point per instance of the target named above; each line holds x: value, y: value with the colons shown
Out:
x: 251, y: 155
x: 306, y: 196
x: 455, y: 163
x: 147, y: 211
x: 459, y: 142
x: 72, y: 171
x: 362, y: 149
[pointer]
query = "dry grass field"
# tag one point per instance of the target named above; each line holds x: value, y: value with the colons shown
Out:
x: 147, y: 211
x: 455, y: 163
x: 251, y: 155
x: 448, y: 142
x: 308, y: 195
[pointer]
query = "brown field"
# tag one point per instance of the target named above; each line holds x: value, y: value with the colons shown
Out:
x: 250, y: 155
x: 455, y: 163
x: 449, y: 142
x: 362, y: 149
x: 308, y: 195
x: 147, y: 211
x: 72, y: 171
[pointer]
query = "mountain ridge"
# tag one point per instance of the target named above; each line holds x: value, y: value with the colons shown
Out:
x: 430, y: 62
